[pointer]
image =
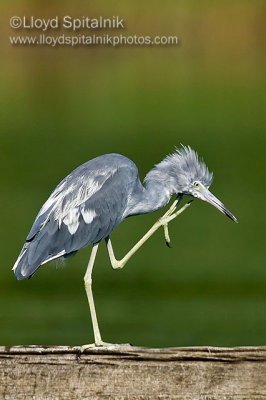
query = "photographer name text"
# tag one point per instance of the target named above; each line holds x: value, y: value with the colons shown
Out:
x: 66, y: 22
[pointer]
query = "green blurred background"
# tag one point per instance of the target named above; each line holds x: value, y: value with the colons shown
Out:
x: 63, y: 106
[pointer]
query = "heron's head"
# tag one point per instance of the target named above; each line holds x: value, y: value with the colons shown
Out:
x: 187, y: 174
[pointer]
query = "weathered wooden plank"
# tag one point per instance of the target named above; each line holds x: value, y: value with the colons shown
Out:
x: 126, y: 372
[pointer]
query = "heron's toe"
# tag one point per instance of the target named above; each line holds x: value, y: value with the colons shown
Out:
x: 110, y: 346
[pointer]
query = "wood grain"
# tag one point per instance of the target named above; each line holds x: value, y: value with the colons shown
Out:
x: 127, y: 372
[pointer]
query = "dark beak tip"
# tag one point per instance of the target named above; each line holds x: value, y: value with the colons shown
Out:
x: 233, y: 218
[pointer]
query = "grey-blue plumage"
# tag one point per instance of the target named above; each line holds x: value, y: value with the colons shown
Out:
x: 84, y: 208
x: 97, y: 196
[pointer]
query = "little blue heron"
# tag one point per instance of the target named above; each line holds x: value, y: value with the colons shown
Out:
x: 97, y: 196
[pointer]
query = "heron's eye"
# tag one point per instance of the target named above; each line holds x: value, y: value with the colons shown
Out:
x: 196, y: 184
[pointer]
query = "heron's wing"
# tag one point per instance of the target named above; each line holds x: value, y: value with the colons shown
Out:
x: 84, y: 208
x: 92, y: 219
x: 71, y: 192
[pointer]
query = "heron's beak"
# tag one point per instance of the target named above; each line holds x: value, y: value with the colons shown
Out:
x: 206, y: 195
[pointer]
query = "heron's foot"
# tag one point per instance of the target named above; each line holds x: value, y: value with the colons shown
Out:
x: 166, y: 235
x: 101, y: 344
x: 92, y: 345
x: 168, y: 216
x: 171, y: 209
x: 164, y: 223
x: 165, y: 219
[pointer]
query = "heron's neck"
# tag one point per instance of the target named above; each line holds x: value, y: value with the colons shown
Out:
x: 152, y: 197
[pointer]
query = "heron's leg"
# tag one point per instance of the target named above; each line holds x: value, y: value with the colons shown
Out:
x: 88, y: 284
x: 163, y: 221
x: 88, y: 287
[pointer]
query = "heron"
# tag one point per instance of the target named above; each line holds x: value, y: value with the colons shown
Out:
x: 89, y: 203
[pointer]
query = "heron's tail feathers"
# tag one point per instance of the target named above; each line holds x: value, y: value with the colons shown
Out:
x: 22, y: 267
x: 32, y: 256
